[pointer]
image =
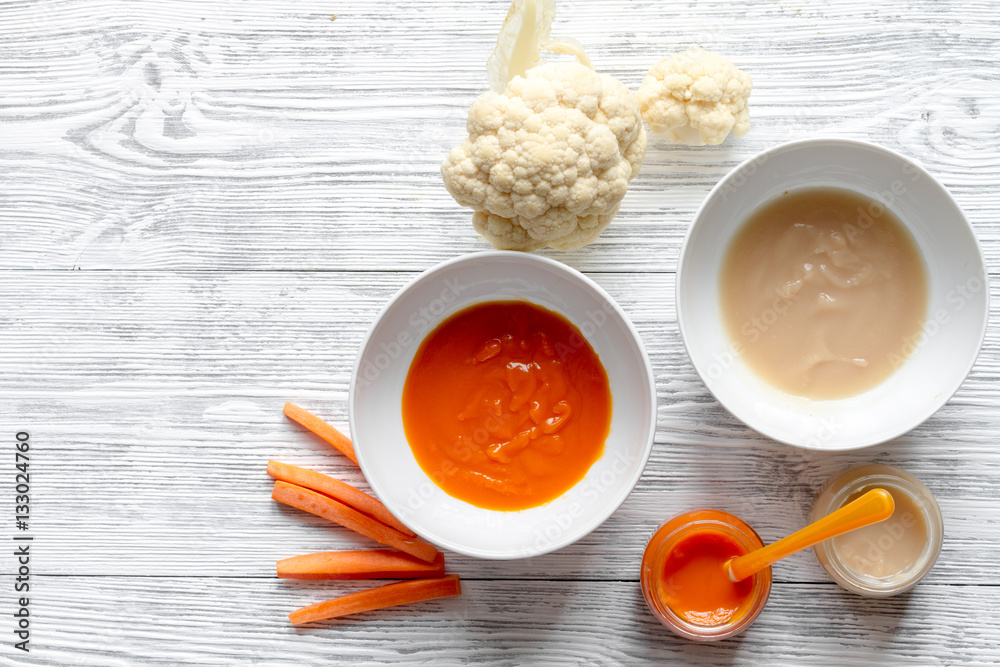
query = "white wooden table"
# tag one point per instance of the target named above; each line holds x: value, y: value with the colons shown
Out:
x: 203, y: 205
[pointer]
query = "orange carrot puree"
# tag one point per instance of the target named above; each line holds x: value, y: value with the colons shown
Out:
x: 506, y: 406
x: 695, y: 585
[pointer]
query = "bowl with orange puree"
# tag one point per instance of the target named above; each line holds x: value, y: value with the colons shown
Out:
x: 502, y: 405
x: 831, y: 294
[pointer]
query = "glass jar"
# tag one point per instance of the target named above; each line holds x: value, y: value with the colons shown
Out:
x: 888, y: 557
x: 663, y: 543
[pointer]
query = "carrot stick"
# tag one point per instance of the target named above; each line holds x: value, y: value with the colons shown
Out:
x: 390, y: 595
x: 378, y: 564
x: 337, y: 490
x: 312, y: 423
x: 328, y: 508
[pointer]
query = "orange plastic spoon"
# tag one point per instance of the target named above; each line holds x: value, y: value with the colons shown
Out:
x: 874, y: 506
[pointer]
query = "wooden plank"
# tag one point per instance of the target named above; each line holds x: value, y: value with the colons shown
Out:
x: 154, y: 401
x: 176, y: 505
x: 224, y: 135
x: 201, y: 158
x: 111, y: 621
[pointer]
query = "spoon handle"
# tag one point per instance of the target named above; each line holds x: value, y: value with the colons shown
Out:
x: 874, y: 506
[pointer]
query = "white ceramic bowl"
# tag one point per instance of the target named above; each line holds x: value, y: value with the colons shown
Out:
x: 382, y: 366
x: 957, y: 308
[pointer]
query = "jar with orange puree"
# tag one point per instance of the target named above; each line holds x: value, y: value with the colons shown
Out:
x: 685, y: 582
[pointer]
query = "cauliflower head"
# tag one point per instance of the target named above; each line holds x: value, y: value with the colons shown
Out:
x: 548, y: 161
x: 696, y: 97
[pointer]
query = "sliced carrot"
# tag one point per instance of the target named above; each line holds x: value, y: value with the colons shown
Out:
x: 377, y: 564
x: 312, y: 423
x: 338, y: 512
x: 390, y: 595
x: 337, y: 490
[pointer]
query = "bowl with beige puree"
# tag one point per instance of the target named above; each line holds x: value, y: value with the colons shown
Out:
x: 831, y: 294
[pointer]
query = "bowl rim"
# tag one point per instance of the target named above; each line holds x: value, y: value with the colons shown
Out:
x: 650, y: 381
x: 817, y: 142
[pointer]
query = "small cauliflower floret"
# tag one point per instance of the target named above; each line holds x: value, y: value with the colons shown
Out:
x: 696, y: 97
x: 548, y: 161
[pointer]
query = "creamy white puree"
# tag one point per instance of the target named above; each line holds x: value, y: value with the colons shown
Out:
x: 823, y: 291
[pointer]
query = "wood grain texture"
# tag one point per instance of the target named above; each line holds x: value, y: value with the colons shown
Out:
x: 170, y: 385
x: 249, y: 136
x: 242, y: 185
x: 108, y: 622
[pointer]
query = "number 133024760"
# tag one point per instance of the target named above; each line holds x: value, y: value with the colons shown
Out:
x: 22, y: 486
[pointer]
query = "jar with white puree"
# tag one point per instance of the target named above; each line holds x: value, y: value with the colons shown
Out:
x: 884, y: 558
